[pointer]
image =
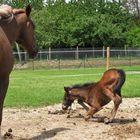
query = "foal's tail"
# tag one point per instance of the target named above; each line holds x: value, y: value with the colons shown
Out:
x: 122, y: 77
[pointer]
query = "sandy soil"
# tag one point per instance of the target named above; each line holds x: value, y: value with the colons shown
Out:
x: 50, y: 123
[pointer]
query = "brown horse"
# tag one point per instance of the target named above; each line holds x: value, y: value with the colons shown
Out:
x: 96, y: 95
x: 15, y: 26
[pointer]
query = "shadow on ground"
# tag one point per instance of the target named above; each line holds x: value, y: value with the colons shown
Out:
x: 100, y: 119
x: 48, y: 134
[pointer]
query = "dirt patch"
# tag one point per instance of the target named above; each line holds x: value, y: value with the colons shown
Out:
x: 50, y: 123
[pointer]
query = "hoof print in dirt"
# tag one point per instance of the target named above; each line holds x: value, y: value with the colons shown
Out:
x: 68, y: 116
x: 59, y: 112
x: 53, y: 112
x: 74, y: 123
x: 80, y: 115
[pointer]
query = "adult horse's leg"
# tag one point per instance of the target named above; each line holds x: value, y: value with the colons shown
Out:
x: 4, y: 82
x: 117, y: 101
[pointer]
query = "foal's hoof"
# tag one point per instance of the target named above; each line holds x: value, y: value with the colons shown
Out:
x: 87, y: 118
x: 107, y: 121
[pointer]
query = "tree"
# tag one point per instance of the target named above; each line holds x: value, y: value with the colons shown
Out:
x: 79, y: 22
x: 133, y: 7
x: 133, y: 37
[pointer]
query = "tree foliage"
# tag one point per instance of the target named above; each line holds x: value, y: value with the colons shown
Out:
x: 84, y: 23
x: 133, y: 37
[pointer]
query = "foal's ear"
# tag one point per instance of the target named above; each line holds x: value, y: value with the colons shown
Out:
x: 28, y: 10
x: 67, y: 89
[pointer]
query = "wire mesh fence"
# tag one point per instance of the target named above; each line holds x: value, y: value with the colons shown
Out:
x: 77, y: 58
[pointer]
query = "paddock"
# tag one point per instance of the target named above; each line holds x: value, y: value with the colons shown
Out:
x: 34, y: 103
x: 48, y: 123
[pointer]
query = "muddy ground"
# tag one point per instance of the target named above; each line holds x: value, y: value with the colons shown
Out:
x: 49, y: 123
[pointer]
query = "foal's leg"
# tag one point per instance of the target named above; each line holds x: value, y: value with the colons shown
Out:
x: 117, y: 100
x: 91, y: 112
x: 4, y: 82
x: 83, y: 105
x: 86, y: 108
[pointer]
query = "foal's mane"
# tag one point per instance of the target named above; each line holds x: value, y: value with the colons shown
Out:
x: 85, y: 85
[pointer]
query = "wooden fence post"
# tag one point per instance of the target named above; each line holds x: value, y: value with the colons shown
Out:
x: 103, y: 52
x: 77, y: 53
x: 108, y: 58
x: 49, y: 53
x: 18, y: 51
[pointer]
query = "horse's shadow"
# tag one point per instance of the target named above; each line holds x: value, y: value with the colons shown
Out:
x: 101, y: 119
x: 115, y: 120
x: 47, y: 134
x: 123, y: 121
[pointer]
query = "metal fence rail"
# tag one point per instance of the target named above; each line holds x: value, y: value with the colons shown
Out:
x: 77, y: 58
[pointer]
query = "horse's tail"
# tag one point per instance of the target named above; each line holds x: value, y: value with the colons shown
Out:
x: 122, y: 77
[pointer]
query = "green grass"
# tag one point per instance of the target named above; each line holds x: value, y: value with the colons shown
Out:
x: 37, y: 88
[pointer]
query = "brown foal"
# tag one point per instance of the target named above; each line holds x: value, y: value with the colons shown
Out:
x: 98, y: 94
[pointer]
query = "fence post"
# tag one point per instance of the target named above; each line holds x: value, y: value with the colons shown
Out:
x: 49, y: 53
x: 130, y: 62
x: 19, y: 54
x: 85, y: 59
x: 103, y: 51
x: 108, y: 58
x: 40, y: 53
x: 77, y: 53
x: 25, y: 56
x: 93, y: 51
x: 125, y: 50
x: 59, y: 64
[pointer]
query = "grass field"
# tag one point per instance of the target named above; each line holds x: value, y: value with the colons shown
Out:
x: 37, y: 88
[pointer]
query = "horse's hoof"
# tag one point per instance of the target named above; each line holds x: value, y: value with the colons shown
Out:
x: 107, y: 121
x: 87, y: 118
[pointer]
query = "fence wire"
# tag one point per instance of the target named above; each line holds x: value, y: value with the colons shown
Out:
x: 78, y: 58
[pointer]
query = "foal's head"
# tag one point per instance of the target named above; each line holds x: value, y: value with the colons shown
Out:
x: 68, y: 98
x: 75, y: 92
x: 26, y: 30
